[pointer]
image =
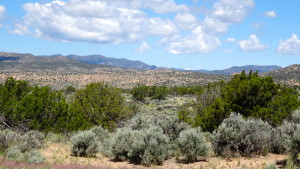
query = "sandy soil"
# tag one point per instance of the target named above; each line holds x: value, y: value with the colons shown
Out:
x: 60, y: 154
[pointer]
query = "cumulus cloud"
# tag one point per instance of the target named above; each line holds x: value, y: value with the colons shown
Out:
x: 2, y: 10
x: 144, y: 47
x: 93, y: 21
x: 186, y: 21
x: 165, y: 6
x: 252, y: 44
x: 290, y: 46
x: 115, y: 21
x: 271, y: 14
x: 232, y: 11
x: 196, y: 43
x: 20, y: 30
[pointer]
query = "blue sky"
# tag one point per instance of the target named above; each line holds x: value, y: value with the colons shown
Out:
x: 191, y: 34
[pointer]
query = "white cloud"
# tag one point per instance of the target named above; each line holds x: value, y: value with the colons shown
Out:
x: 232, y: 11
x: 196, y: 43
x: 165, y: 6
x: 231, y: 40
x: 93, y: 21
x: 290, y: 46
x: 214, y: 25
x: 252, y: 44
x: 20, y: 30
x: 144, y: 47
x: 271, y: 14
x: 186, y: 21
x: 2, y: 10
x: 115, y: 21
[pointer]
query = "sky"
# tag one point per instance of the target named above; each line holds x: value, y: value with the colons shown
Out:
x: 190, y: 34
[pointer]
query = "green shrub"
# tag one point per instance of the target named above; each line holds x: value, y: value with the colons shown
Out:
x: 84, y: 144
x: 33, y: 156
x: 120, y: 144
x: 192, y: 144
x: 150, y: 147
x: 100, y: 133
x: 14, y: 153
x: 97, y: 104
x: 31, y: 140
x: 170, y: 124
x: 238, y: 136
x: 7, y: 137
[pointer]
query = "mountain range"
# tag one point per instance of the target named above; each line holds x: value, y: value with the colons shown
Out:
x: 60, y: 71
x: 125, y: 63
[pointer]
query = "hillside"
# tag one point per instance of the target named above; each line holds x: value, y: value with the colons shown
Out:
x: 238, y: 69
x: 59, y: 72
x: 102, y: 60
x: 289, y: 75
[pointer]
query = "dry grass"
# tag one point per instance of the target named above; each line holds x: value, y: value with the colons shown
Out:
x: 57, y: 154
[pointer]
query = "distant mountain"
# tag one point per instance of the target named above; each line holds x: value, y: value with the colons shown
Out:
x: 289, y: 75
x: 16, y: 62
x: 238, y: 69
x: 59, y: 71
x: 102, y: 60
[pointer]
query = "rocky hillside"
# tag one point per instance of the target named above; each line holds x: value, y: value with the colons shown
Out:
x: 289, y: 75
x: 102, y: 60
x: 59, y: 72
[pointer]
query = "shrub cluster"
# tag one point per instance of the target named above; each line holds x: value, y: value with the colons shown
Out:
x: 85, y: 144
x: 192, y: 143
x: 18, y: 147
x: 239, y: 136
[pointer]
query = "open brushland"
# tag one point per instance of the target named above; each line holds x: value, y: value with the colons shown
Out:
x: 246, y: 122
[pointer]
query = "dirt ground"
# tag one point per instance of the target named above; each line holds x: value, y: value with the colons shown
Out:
x: 57, y: 154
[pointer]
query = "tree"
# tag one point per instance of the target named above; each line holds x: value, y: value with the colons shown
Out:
x: 97, y: 104
x: 251, y: 96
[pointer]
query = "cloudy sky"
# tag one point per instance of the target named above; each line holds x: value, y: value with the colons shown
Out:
x: 190, y: 34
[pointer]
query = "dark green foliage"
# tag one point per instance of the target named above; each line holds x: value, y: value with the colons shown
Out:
x: 70, y: 89
x: 249, y: 95
x: 140, y: 92
x: 32, y: 108
x: 192, y: 144
x: 84, y: 144
x: 239, y: 136
x: 41, y: 109
x: 97, y: 104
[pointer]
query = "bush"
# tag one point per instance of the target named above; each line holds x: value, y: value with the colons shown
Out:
x: 238, y: 136
x: 286, y: 134
x: 7, y: 137
x: 100, y: 133
x: 33, y: 156
x: 14, y: 153
x: 84, y: 144
x: 120, y: 144
x: 150, y: 147
x: 170, y: 124
x: 97, y: 104
x: 31, y: 140
x: 192, y: 144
